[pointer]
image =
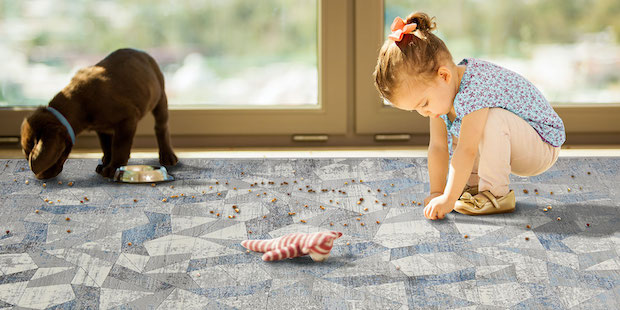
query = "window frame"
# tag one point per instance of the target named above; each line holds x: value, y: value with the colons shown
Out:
x: 330, y: 112
x: 582, y: 121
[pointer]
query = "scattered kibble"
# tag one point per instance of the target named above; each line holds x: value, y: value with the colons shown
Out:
x: 545, y: 209
x: 528, y: 226
x: 36, y: 211
x: 345, y: 224
x: 217, y: 214
x: 8, y: 232
x: 59, y: 182
x: 362, y: 224
x: 171, y: 186
x: 135, y: 200
x: 303, y: 221
x: 348, y: 243
x: 588, y: 172
x: 397, y: 267
x: 569, y: 189
x: 572, y: 176
x: 68, y: 231
x: 365, y: 209
x: 466, y: 236
x: 527, y: 238
x: 559, y: 218
x: 27, y: 182
x: 551, y: 193
x: 70, y: 184
x: 525, y: 191
x: 249, y: 231
x: 378, y: 222
x: 587, y: 224
x: 164, y: 200
x: 211, y: 211
x: 152, y: 184
x: 331, y: 224
x: 67, y: 219
x: 129, y: 243
x: 44, y: 185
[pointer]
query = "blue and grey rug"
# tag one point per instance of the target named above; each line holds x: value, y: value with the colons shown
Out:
x: 80, y: 241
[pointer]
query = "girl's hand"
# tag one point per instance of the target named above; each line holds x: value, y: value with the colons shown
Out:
x: 438, y: 207
x: 430, y: 197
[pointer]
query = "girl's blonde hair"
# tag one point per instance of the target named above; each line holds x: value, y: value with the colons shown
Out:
x: 417, y: 56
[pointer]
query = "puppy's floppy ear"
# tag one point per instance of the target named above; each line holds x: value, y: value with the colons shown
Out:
x: 46, y: 152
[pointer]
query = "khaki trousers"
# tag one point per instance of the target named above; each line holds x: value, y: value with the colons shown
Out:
x: 508, y: 144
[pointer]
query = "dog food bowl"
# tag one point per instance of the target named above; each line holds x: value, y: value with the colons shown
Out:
x: 142, y: 174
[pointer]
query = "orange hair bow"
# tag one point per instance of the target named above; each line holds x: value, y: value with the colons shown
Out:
x: 399, y: 28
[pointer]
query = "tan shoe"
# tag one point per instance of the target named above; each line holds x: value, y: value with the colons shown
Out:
x: 485, y: 203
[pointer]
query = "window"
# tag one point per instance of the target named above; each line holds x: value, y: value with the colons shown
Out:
x: 213, y: 53
x: 569, y: 49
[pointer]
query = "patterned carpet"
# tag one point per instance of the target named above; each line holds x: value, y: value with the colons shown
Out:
x: 91, y: 243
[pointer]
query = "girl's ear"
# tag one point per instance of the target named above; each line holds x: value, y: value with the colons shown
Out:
x: 444, y: 74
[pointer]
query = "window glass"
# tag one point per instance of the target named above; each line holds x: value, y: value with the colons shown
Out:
x: 569, y: 49
x: 213, y: 52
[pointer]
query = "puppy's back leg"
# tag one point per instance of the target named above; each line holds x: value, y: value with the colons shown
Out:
x: 160, y: 113
x: 105, y: 140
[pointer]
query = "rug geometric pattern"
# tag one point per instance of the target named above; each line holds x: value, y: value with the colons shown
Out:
x: 176, y: 245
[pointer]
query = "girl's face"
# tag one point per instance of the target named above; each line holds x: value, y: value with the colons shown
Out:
x: 429, y: 99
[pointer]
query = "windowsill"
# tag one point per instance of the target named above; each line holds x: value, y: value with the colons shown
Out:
x: 360, y: 152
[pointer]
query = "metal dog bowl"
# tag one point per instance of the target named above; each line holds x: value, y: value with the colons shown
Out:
x: 142, y: 174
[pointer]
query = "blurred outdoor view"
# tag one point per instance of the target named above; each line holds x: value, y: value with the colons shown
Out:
x: 212, y: 52
x: 569, y: 49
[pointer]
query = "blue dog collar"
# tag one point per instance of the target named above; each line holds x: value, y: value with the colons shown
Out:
x: 63, y: 121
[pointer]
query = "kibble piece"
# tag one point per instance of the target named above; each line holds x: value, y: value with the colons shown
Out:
x: 27, y: 182
x: 67, y: 219
x: 551, y: 193
x: 171, y: 186
x: 588, y: 171
x: 365, y: 209
x: 135, y: 200
x: 303, y: 221
x: 527, y: 238
x: 70, y: 184
x: 545, y: 209
x: 466, y: 236
x: 211, y: 211
x: 36, y: 211
x: 359, y: 219
x: 569, y: 189
x: 68, y: 231
x: 164, y: 200
x: 378, y: 222
x: 559, y: 218
x: 525, y: 191
x: 152, y: 184
x: 44, y: 185
x: 528, y: 226
x: 572, y: 176
x: 129, y: 243
x: 59, y: 182
x: 362, y: 224
x: 345, y: 224
x: 8, y: 232
x: 331, y: 224
x: 587, y: 224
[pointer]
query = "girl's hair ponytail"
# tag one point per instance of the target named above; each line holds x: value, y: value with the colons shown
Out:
x: 417, y: 56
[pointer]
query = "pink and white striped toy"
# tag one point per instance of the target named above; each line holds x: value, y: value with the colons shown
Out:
x: 317, y: 244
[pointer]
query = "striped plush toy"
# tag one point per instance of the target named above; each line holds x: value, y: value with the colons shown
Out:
x: 317, y: 244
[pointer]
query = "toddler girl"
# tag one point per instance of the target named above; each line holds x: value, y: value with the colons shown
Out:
x: 485, y: 121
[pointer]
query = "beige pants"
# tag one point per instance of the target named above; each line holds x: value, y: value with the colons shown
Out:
x: 509, y: 144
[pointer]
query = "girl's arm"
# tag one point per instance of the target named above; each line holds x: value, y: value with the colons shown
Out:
x: 463, y: 158
x: 438, y: 156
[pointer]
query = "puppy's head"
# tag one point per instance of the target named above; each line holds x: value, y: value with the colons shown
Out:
x: 45, y: 143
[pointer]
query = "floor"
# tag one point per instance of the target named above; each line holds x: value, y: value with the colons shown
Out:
x: 79, y: 241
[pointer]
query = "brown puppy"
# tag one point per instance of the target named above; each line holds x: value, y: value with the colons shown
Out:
x: 109, y: 98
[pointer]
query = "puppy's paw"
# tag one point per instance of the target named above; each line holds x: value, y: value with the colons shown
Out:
x: 168, y: 159
x: 99, y: 168
x: 108, y: 172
